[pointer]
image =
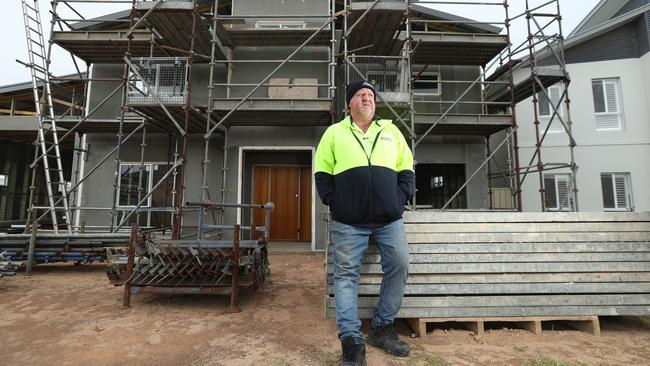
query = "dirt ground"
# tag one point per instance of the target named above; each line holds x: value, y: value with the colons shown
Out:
x: 71, y: 315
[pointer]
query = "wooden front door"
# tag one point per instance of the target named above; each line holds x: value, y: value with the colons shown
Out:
x: 289, y: 188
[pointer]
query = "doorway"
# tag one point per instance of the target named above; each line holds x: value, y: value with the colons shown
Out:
x: 437, y: 183
x: 289, y: 188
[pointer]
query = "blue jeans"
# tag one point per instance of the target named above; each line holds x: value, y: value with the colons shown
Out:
x: 350, y: 243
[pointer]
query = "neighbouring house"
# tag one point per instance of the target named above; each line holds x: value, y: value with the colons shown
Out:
x: 609, y: 90
x: 18, y: 131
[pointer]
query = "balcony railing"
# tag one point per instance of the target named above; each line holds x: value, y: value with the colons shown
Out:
x: 158, y: 80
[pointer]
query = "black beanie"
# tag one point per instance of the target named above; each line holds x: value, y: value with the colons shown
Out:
x: 354, y: 86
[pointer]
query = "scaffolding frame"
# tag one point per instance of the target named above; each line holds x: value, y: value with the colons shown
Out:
x: 179, y: 125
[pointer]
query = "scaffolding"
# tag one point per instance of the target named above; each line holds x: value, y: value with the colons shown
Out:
x: 402, y: 46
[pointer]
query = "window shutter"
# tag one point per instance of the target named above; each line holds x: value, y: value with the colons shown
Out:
x: 607, y: 122
x: 563, y: 189
x: 550, y: 196
x: 608, y: 190
x: 555, y: 94
x: 621, y: 192
x: 599, y: 98
x: 544, y: 108
x: 612, y: 105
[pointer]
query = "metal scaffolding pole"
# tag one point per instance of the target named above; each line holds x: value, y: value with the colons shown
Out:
x: 179, y: 204
x: 123, y: 107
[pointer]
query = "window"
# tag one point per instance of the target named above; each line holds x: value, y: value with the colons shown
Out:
x: 426, y: 82
x: 4, y: 180
x: 546, y: 110
x: 128, y: 184
x: 556, y: 192
x: 617, y: 195
x: 607, y: 106
x: 272, y: 24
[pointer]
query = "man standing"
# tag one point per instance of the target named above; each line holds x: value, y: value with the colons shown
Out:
x: 364, y: 172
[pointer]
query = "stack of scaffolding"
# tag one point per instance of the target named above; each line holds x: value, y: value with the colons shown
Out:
x: 193, y: 266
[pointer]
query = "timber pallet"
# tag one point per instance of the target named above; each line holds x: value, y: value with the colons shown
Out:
x: 589, y: 324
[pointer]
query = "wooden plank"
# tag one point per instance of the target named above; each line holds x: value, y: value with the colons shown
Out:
x: 431, y: 302
x: 510, y: 288
x: 605, y: 310
x: 515, y: 278
x: 422, y: 216
x: 513, y: 267
x: 552, y: 247
x: 419, y: 327
x: 526, y: 237
x: 528, y: 227
x: 516, y: 258
x: 17, y: 113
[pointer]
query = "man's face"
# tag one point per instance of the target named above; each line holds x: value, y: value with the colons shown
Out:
x: 363, y: 103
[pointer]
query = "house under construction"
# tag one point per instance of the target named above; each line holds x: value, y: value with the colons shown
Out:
x: 225, y: 101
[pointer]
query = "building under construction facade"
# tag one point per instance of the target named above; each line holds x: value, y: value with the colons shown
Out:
x: 225, y: 101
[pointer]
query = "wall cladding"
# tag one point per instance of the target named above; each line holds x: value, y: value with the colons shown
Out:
x: 620, y: 43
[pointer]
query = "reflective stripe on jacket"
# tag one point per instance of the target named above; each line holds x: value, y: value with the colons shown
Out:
x: 366, y: 186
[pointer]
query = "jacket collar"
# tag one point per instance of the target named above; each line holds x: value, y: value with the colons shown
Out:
x: 380, y: 123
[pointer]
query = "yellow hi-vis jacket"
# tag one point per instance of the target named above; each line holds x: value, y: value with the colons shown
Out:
x: 365, y: 178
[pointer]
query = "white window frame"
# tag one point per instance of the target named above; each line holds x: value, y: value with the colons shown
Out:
x: 556, y: 127
x: 557, y: 177
x: 627, y: 185
x: 619, y: 105
x: 280, y: 24
x: 438, y: 89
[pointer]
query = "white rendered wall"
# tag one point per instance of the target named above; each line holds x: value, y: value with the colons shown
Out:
x: 624, y: 151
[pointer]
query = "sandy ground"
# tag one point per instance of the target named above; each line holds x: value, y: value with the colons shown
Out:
x: 67, y: 315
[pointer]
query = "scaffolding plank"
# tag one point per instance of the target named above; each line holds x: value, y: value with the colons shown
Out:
x: 104, y: 46
x: 451, y: 48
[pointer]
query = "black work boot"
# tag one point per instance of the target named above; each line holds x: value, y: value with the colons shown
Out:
x: 386, y: 339
x: 354, y: 354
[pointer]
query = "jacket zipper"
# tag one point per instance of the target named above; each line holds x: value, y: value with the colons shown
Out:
x: 374, y: 143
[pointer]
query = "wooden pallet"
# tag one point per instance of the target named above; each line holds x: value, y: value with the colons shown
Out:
x: 589, y: 324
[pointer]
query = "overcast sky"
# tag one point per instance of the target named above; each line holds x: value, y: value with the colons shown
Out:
x: 13, y: 29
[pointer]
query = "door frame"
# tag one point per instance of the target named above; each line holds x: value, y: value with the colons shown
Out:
x: 240, y: 177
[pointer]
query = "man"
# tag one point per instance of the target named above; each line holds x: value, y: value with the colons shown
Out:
x: 364, y: 172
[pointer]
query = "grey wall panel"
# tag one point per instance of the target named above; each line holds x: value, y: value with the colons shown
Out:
x: 200, y: 80
x: 98, y: 188
x: 101, y: 89
x: 617, y: 44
